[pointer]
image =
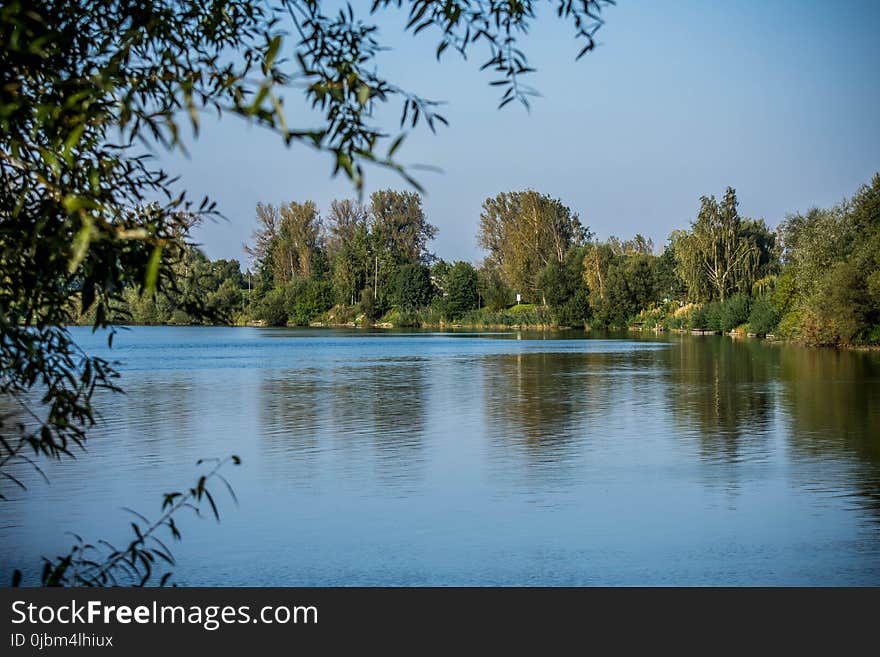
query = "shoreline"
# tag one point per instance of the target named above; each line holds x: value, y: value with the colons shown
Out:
x: 770, y: 338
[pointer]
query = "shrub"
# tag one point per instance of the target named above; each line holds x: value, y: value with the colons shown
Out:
x: 310, y: 299
x: 699, y: 319
x: 496, y: 295
x: 368, y: 305
x: 733, y: 312
x: 575, y: 311
x: 273, y: 308
x: 763, y: 317
x: 713, y: 316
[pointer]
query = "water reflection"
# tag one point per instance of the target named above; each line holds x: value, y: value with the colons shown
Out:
x: 832, y: 399
x: 155, y: 415
x: 551, y: 417
x: 366, y: 419
x: 721, y: 394
x: 289, y: 416
x: 531, y: 413
x: 394, y: 405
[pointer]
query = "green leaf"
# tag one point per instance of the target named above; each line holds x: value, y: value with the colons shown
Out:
x: 81, y: 242
x: 363, y: 94
x: 395, y: 145
x: 272, y: 50
x: 74, y: 137
x: 72, y: 203
x: 258, y: 99
x: 152, y: 275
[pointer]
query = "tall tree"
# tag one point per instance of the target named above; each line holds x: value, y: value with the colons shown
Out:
x: 830, y: 291
x: 414, y: 289
x: 298, y: 241
x: 399, y: 226
x: 597, y: 259
x: 286, y: 240
x: 523, y: 232
x: 399, y: 233
x: 263, y: 238
x: 629, y: 287
x: 461, y: 290
x: 812, y: 242
x: 668, y: 284
x: 348, y: 249
x: 718, y: 256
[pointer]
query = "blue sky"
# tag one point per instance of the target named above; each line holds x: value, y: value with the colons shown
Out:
x: 779, y: 99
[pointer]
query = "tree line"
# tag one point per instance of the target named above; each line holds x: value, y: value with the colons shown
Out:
x: 815, y: 278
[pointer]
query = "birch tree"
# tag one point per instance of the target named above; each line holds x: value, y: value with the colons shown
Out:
x: 718, y: 256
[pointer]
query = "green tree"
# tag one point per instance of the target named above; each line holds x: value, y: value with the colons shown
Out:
x: 491, y: 288
x: 399, y: 234
x: 399, y: 227
x: 733, y: 312
x: 813, y: 242
x: 310, y: 298
x: 639, y: 245
x: 667, y: 281
x: 629, y: 287
x: 274, y: 307
x: 562, y: 287
x: 719, y: 255
x: 828, y: 293
x: 348, y: 249
x: 597, y: 258
x: 552, y: 284
x: 523, y: 232
x: 838, y: 312
x: 263, y: 241
x: 287, y: 240
x: 414, y: 289
x: 462, y: 295
x: 298, y: 241
x: 763, y: 317
x: 440, y: 274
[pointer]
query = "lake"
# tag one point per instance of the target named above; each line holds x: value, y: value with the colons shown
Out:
x: 506, y: 458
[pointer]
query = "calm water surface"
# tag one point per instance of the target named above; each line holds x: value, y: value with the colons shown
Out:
x: 509, y: 458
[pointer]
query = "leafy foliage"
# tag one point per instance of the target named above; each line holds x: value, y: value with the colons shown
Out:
x: 348, y: 249
x: 414, y: 287
x: 491, y: 288
x: 763, y: 317
x: 274, y: 308
x: 828, y: 293
x: 523, y: 232
x: 628, y: 287
x: 310, y: 298
x: 561, y: 286
x: 722, y: 253
x: 462, y: 295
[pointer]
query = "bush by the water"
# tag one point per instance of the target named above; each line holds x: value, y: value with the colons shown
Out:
x: 763, y: 317
x: 722, y: 315
x: 297, y: 302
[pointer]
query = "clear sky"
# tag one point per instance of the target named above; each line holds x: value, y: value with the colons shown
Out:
x: 777, y: 98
